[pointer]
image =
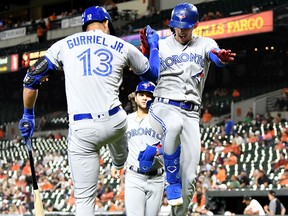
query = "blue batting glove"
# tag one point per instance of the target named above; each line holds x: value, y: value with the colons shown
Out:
x: 140, y: 155
x: 146, y: 158
x: 160, y: 147
x: 27, y: 123
x: 152, y: 37
x: 160, y: 150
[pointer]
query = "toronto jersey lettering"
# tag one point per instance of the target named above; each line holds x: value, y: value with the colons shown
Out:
x: 184, y: 68
x: 140, y: 134
x: 183, y: 57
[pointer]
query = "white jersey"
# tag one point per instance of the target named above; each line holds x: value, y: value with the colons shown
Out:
x: 96, y: 60
x: 184, y: 68
x: 255, y: 206
x: 139, y: 134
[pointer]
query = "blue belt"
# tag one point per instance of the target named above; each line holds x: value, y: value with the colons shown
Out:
x: 82, y: 116
x: 189, y: 106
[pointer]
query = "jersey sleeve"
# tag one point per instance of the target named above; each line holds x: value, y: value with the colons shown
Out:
x: 53, y: 54
x: 137, y: 61
x: 211, y: 44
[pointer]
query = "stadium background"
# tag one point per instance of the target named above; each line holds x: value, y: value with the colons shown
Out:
x: 260, y: 69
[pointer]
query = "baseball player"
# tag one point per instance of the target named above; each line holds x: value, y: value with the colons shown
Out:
x: 185, y: 60
x: 93, y: 62
x: 144, y: 178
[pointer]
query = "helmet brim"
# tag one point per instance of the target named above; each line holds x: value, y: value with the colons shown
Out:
x: 181, y: 25
x: 149, y: 92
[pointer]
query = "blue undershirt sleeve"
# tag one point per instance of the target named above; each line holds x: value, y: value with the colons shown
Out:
x: 152, y: 74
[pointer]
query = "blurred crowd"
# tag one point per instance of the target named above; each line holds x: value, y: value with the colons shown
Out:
x: 222, y: 147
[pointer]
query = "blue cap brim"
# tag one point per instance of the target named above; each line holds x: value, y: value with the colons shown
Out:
x: 181, y: 25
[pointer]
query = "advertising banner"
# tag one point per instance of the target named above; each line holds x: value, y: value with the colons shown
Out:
x: 29, y: 58
x: 9, y: 63
x: 12, y: 33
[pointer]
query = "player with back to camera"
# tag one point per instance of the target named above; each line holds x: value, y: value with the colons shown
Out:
x: 144, y: 182
x: 93, y: 62
x: 185, y: 59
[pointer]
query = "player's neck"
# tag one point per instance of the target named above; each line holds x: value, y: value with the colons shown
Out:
x: 141, y: 113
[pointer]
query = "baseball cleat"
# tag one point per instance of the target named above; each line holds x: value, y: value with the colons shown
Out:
x: 174, y: 195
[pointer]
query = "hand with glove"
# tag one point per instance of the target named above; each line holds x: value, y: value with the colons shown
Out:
x: 144, y: 42
x: 27, y: 123
x: 159, y: 148
x: 146, y: 158
x: 148, y: 39
x: 224, y: 56
x: 152, y: 37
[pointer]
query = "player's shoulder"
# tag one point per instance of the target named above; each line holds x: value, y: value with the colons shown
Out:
x: 202, y: 39
x: 131, y: 115
x: 167, y: 39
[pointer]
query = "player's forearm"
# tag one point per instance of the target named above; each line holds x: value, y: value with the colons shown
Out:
x: 152, y: 74
x: 268, y: 212
x: 29, y: 97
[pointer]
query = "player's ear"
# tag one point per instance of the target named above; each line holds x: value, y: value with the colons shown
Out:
x: 106, y: 26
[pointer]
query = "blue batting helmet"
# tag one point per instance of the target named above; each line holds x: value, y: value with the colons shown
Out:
x: 184, y: 16
x: 96, y: 14
x: 145, y: 87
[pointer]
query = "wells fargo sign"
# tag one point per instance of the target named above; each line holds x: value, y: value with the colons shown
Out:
x: 236, y: 26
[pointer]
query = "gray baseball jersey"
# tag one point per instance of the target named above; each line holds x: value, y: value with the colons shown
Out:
x: 184, y: 69
x: 93, y: 65
x: 143, y: 192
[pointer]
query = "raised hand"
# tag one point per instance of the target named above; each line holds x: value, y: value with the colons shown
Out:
x: 225, y: 56
x: 144, y: 42
x: 152, y: 37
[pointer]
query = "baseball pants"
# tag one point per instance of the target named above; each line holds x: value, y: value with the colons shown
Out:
x: 143, y: 194
x: 179, y: 127
x: 85, y: 139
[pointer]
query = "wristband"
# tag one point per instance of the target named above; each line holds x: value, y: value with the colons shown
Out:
x: 28, y: 111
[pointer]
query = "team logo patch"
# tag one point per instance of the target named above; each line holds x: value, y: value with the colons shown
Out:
x: 146, y: 85
x: 199, y: 75
x: 181, y: 16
